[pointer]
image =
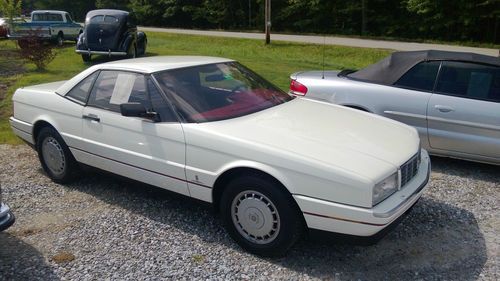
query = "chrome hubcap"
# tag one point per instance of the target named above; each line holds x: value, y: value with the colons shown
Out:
x: 255, y: 217
x: 53, y: 155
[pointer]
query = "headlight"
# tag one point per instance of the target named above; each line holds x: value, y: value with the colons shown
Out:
x: 385, y: 188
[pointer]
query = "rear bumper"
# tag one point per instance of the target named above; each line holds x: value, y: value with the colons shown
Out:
x: 39, y: 36
x: 22, y: 130
x: 7, y: 218
x: 345, y: 219
x: 104, y: 53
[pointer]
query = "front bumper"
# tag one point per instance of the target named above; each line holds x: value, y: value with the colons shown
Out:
x: 340, y: 218
x: 6, y: 217
x: 104, y: 53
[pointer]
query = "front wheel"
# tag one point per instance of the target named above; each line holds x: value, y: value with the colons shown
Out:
x: 260, y: 216
x: 55, y: 157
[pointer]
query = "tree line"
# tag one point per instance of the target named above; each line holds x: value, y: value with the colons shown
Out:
x: 450, y: 20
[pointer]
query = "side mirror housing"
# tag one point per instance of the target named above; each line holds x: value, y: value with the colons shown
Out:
x: 136, y: 109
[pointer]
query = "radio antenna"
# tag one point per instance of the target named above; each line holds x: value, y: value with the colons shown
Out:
x: 324, y: 45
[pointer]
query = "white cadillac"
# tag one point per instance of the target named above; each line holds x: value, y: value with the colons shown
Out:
x: 213, y: 130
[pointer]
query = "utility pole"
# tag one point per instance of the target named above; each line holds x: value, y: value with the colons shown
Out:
x: 249, y: 13
x: 268, y: 21
x: 363, y: 17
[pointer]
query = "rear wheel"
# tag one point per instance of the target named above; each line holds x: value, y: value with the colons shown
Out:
x: 260, y: 216
x: 86, y: 57
x: 132, y: 51
x: 60, y: 39
x: 55, y: 157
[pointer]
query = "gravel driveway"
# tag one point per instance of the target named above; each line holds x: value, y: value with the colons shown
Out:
x: 106, y: 227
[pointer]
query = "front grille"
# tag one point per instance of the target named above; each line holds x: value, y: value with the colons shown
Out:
x: 409, y: 169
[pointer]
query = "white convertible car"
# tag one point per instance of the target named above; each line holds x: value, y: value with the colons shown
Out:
x: 213, y: 130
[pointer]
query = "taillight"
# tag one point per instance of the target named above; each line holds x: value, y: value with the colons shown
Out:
x: 296, y: 88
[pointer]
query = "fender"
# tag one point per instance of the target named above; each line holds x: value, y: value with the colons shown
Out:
x: 126, y: 42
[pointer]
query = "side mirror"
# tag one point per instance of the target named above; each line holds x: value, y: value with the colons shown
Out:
x: 136, y: 109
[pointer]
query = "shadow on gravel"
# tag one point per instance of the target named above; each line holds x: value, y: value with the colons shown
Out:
x: 29, y: 264
x: 435, y: 241
x: 466, y: 169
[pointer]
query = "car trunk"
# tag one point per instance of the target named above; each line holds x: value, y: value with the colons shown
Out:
x: 103, y: 36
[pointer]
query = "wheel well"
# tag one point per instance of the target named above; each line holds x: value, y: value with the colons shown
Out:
x: 60, y: 33
x: 227, y: 176
x: 39, y: 125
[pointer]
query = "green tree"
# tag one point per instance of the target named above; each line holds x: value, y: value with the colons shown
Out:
x: 10, y: 9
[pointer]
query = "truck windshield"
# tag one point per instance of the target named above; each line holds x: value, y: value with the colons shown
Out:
x: 218, y: 91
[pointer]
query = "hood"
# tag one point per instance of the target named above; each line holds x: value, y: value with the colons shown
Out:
x: 324, y: 135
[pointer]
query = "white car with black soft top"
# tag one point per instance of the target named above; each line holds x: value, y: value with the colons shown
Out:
x: 212, y: 129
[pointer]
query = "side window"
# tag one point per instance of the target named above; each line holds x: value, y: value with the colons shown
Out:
x: 81, y: 91
x: 420, y: 77
x: 113, y: 88
x: 469, y: 80
x: 159, y: 104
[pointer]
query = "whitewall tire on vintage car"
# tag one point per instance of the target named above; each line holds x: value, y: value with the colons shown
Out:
x: 260, y: 216
x: 55, y: 157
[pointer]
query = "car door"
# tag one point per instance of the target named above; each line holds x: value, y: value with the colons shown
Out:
x: 70, y: 29
x: 464, y: 112
x: 407, y: 100
x: 139, y: 148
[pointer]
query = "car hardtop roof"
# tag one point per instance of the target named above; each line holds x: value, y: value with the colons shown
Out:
x: 109, y: 12
x: 390, y: 69
x: 145, y: 65
x: 161, y: 63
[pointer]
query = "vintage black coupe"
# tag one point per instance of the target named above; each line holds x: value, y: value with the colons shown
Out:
x: 110, y: 33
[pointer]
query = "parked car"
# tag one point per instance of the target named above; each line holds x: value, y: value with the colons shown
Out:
x: 7, y: 218
x: 56, y: 26
x: 214, y: 130
x: 110, y: 33
x: 4, y: 27
x: 452, y: 98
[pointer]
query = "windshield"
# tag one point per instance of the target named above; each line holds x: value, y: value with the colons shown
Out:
x: 218, y: 91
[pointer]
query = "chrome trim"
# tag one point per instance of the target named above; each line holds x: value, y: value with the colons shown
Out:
x: 405, y: 114
x: 4, y: 212
x: 108, y: 53
x: 464, y: 123
x: 415, y: 193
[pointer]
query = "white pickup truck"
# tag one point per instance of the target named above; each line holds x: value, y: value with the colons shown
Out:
x: 50, y: 25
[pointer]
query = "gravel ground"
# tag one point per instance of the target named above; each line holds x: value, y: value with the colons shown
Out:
x: 106, y: 227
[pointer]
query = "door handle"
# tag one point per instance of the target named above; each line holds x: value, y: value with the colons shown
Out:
x: 444, y: 108
x: 92, y: 117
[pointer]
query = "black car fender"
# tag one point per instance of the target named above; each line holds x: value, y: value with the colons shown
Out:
x: 129, y: 39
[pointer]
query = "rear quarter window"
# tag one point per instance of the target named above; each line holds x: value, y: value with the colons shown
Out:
x: 420, y: 77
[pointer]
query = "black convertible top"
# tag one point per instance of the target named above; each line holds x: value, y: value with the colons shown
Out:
x: 391, y: 68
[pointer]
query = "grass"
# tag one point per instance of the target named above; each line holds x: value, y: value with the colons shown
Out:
x: 275, y: 62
